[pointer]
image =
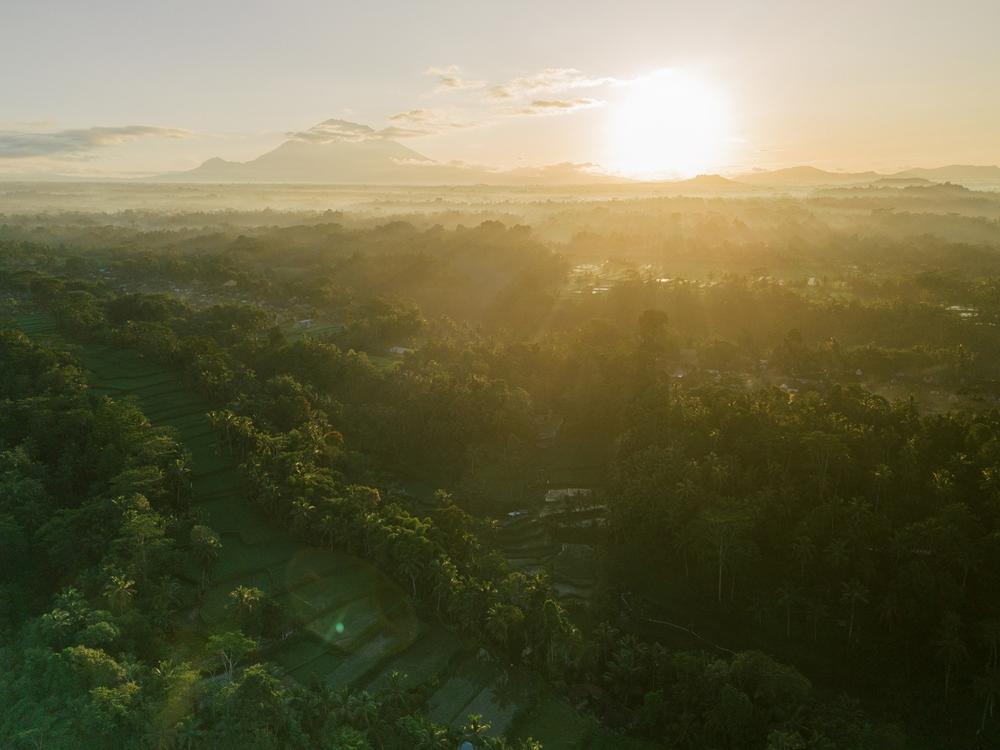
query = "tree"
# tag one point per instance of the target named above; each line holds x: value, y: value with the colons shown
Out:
x: 853, y: 593
x: 419, y: 733
x: 247, y: 603
x: 989, y: 635
x: 205, y: 548
x: 395, y: 694
x: 950, y: 647
x: 362, y: 710
x: 475, y: 729
x: 788, y: 597
x: 178, y: 474
x: 816, y: 611
x: 803, y: 551
x: 725, y: 523
x: 408, y: 552
x: 143, y: 531
x: 988, y: 688
x: 120, y: 591
x: 504, y: 623
x: 882, y: 475
x: 231, y: 647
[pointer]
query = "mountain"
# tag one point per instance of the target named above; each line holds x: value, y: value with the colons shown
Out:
x: 707, y: 183
x: 341, y: 152
x: 967, y: 175
x: 961, y: 173
x: 805, y: 177
x: 374, y: 160
x: 902, y: 182
x: 567, y: 173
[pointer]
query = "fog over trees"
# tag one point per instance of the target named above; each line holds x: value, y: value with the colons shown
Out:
x: 612, y: 471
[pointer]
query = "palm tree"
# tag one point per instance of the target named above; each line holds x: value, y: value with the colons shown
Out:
x: 475, y: 729
x: 408, y: 564
x: 188, y: 735
x: 302, y: 513
x: 888, y: 611
x: 205, y: 548
x: 179, y: 475
x: 247, y: 602
x: 882, y: 474
x: 445, y: 579
x: 816, y: 611
x: 362, y: 710
x: 950, y: 647
x: 803, y: 551
x: 328, y: 526
x: 788, y: 597
x: 854, y: 593
x: 499, y: 622
x: 759, y: 608
x: 988, y: 688
x: 120, y: 592
x: 989, y: 634
x: 395, y: 692
x: 626, y: 665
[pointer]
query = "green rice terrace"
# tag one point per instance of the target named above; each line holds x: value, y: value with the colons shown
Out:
x: 353, y: 626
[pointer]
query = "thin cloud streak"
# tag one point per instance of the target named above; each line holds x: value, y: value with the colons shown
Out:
x: 557, y: 106
x: 413, y: 124
x: 450, y: 79
x: 76, y: 142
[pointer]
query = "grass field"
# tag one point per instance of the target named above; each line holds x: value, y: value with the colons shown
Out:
x: 353, y: 625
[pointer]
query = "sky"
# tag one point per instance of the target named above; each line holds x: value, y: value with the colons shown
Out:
x: 111, y: 88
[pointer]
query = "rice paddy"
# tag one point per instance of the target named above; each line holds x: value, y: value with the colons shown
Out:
x: 353, y: 626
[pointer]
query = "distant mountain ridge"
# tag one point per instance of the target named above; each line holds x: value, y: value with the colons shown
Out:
x: 340, y: 152
x: 956, y: 173
x: 806, y: 176
x: 375, y: 161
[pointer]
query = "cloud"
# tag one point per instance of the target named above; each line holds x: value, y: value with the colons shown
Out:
x: 76, y: 142
x: 333, y: 131
x: 547, y: 80
x: 413, y: 115
x: 557, y: 106
x: 413, y: 124
x: 450, y: 79
x: 393, y: 132
x: 534, y: 94
x: 530, y: 95
x: 429, y: 120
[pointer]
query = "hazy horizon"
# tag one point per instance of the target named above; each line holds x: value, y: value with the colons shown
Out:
x: 643, y: 90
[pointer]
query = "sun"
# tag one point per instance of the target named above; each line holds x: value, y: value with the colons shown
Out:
x: 668, y: 125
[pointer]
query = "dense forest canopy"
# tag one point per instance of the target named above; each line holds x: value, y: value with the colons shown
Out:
x: 690, y: 472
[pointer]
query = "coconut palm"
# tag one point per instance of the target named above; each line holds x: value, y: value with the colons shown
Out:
x: 951, y: 648
x: 853, y: 593
x: 205, y: 548
x: 803, y: 550
x: 475, y: 729
x: 120, y: 591
x: 989, y: 635
x: 788, y: 597
x: 816, y: 612
x: 988, y: 688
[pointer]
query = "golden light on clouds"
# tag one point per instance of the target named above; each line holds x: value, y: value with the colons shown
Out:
x: 668, y: 124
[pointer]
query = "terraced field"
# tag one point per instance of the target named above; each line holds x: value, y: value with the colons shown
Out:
x: 526, y: 541
x: 353, y: 625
